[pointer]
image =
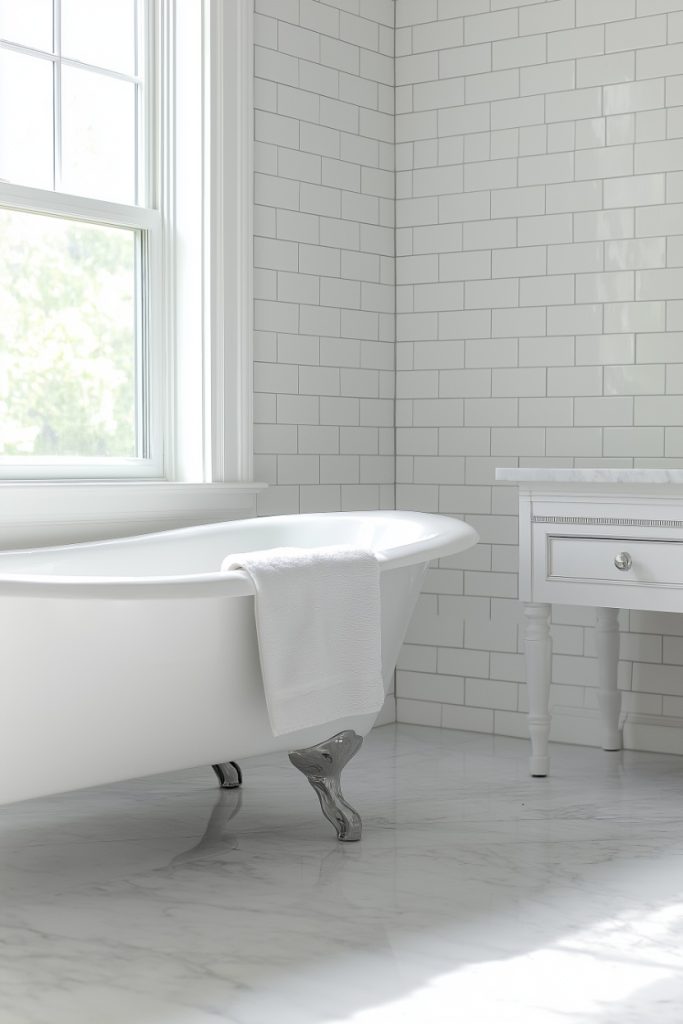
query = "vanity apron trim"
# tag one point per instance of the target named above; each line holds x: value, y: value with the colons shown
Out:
x: 606, y: 521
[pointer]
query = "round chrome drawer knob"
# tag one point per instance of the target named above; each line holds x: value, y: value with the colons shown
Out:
x: 623, y: 561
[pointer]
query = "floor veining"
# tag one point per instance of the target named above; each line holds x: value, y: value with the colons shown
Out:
x: 477, y: 895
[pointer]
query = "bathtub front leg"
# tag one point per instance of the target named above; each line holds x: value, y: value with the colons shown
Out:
x: 229, y: 774
x: 322, y: 766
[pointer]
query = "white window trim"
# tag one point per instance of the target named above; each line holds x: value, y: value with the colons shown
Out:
x: 35, y: 514
x: 211, y: 478
x: 230, y: 231
x: 216, y: 226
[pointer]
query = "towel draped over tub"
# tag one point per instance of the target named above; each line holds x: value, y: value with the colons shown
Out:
x: 318, y: 618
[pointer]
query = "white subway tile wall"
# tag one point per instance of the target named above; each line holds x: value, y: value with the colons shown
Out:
x: 324, y: 371
x: 539, y: 204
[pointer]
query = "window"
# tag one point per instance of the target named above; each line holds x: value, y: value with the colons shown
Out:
x: 80, y: 353
x: 125, y: 266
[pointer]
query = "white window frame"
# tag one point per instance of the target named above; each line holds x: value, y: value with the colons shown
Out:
x: 151, y: 356
x: 207, y: 329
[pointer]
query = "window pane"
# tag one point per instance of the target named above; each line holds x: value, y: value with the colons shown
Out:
x: 67, y: 338
x: 100, y: 32
x: 26, y: 119
x: 98, y: 136
x: 28, y: 22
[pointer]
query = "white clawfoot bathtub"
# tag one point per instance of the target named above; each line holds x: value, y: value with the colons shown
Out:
x: 129, y: 657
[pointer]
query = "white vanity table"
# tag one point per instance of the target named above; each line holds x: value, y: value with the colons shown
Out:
x: 608, y: 538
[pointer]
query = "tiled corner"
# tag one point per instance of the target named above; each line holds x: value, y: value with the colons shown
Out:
x: 539, y: 216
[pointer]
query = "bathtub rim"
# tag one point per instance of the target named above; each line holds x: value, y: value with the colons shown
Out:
x: 450, y: 535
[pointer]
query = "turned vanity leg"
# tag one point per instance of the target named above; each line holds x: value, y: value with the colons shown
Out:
x: 538, y: 659
x: 607, y: 648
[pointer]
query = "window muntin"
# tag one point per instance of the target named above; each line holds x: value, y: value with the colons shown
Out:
x: 80, y: 372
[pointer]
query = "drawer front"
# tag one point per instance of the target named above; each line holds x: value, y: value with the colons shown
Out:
x: 615, y: 560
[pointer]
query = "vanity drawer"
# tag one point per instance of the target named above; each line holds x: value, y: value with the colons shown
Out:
x: 615, y: 560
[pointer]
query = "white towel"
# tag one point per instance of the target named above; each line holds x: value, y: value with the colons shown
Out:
x: 318, y: 626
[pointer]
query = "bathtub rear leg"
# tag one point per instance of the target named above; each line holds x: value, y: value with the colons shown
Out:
x: 229, y: 774
x: 322, y: 765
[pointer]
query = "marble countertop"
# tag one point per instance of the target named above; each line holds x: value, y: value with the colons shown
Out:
x: 591, y: 476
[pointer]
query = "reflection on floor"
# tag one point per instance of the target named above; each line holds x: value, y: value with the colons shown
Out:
x: 477, y: 894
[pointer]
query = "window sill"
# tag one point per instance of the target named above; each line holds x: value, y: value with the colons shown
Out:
x: 33, y: 514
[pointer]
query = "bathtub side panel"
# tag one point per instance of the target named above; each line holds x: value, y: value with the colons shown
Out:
x: 93, y: 692
x: 97, y: 692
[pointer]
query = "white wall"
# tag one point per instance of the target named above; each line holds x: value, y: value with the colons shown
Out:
x: 324, y: 254
x: 540, y: 320
x: 540, y: 302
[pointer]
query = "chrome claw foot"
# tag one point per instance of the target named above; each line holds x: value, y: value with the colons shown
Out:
x: 229, y: 774
x: 322, y: 766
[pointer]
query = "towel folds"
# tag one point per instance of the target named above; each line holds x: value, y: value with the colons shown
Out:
x: 318, y: 620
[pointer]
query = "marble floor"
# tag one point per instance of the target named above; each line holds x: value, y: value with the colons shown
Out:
x: 477, y: 894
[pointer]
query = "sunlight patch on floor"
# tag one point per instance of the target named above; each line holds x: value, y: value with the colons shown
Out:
x: 578, y: 979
